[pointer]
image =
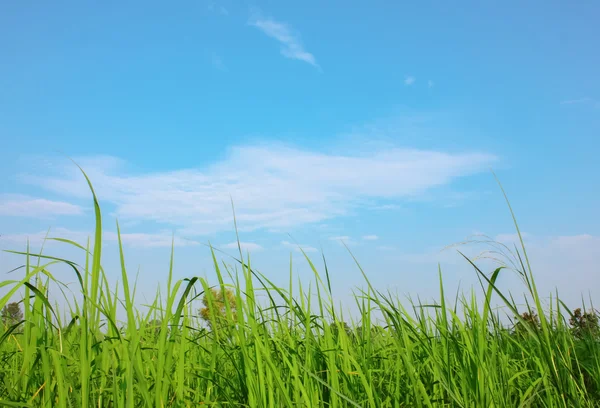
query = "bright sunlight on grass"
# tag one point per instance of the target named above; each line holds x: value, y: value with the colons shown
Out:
x: 289, y: 352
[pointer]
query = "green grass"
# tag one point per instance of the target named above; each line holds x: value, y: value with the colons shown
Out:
x: 285, y: 352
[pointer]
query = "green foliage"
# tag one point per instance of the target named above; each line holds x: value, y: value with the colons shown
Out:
x: 585, y: 324
x: 337, y: 327
x: 528, y: 321
x: 11, y: 314
x: 216, y: 303
x: 284, y: 351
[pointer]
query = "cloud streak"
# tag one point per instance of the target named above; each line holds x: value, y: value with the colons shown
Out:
x: 153, y: 240
x: 298, y: 247
x: 291, y: 44
x: 16, y: 205
x: 272, y: 187
x: 246, y: 246
x: 582, y: 101
x: 141, y: 240
x: 343, y: 240
x: 567, y: 262
x: 386, y: 207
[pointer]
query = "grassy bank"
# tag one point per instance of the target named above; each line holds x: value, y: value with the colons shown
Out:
x: 293, y: 351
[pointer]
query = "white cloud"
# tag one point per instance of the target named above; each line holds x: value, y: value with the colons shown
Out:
x: 409, y: 80
x: 567, y: 263
x: 297, y: 247
x: 272, y: 187
x: 145, y: 240
x: 291, y: 44
x: 386, y: 248
x: 150, y: 240
x: 246, y: 246
x: 511, y: 239
x: 370, y: 237
x: 24, y: 206
x: 340, y: 238
x: 343, y: 240
x: 386, y: 207
x: 37, y: 238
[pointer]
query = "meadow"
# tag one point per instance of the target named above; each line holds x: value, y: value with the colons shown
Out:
x: 292, y: 350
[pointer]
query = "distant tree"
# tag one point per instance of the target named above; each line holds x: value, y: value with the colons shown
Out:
x: 530, y: 319
x: 214, y: 312
x: 11, y: 314
x: 154, y: 326
x: 584, y: 323
x: 375, y: 330
x: 337, y: 327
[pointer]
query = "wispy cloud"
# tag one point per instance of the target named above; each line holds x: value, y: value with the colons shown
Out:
x: 218, y: 9
x: 585, y: 100
x: 37, y: 238
x: 409, y: 80
x: 217, y: 62
x: 340, y: 238
x: 246, y: 246
x: 143, y: 240
x: 385, y: 207
x: 370, y: 237
x: 575, y: 101
x: 291, y: 44
x: 298, y: 247
x: 511, y: 239
x: 18, y: 205
x: 273, y: 187
x: 568, y: 263
x: 153, y: 240
x: 343, y: 240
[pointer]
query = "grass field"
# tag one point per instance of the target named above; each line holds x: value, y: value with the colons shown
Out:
x: 291, y: 351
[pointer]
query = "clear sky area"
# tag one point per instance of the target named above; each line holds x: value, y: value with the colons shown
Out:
x: 372, y: 127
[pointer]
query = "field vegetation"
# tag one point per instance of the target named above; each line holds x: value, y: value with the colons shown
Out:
x: 216, y: 344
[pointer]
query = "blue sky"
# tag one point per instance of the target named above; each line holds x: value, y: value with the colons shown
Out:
x: 374, y: 124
